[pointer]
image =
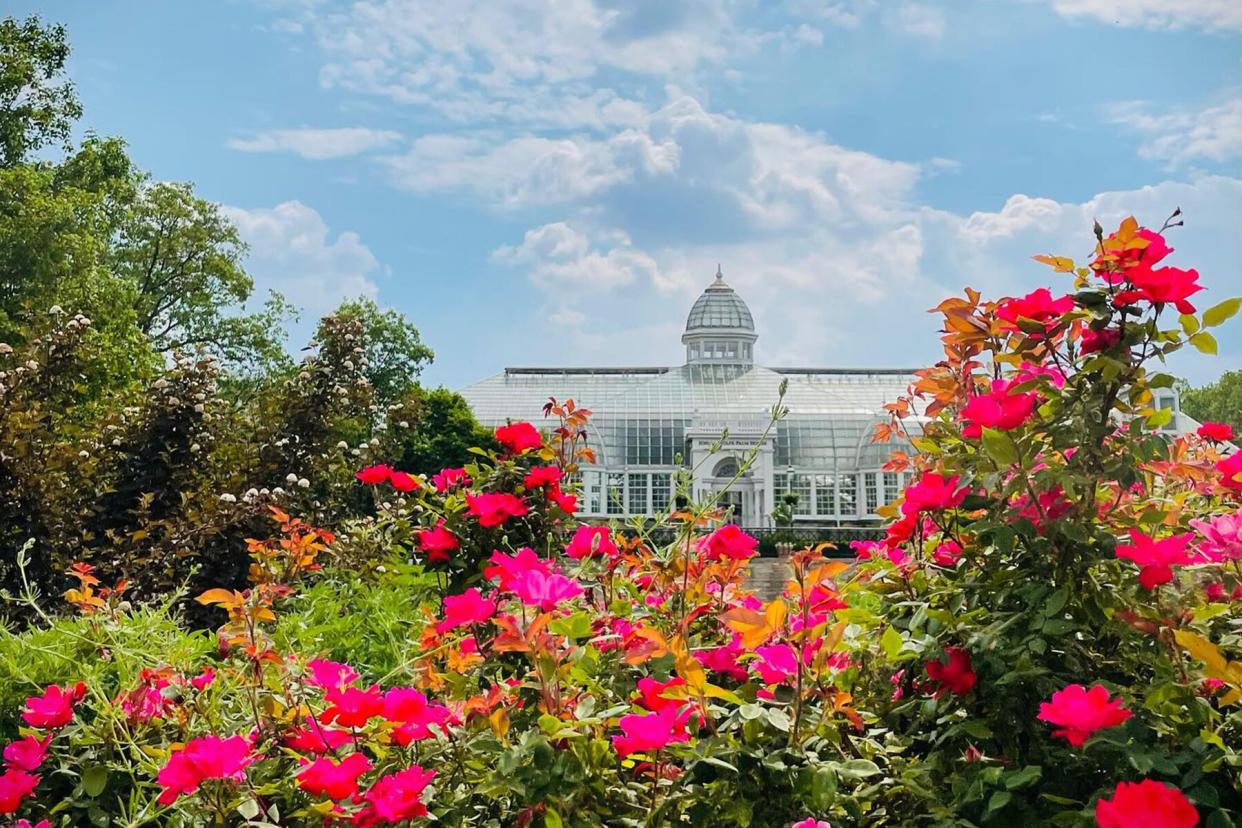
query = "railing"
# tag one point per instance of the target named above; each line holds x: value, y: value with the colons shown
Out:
x: 798, y: 536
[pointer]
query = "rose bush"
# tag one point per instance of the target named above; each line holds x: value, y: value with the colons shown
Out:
x: 1047, y: 635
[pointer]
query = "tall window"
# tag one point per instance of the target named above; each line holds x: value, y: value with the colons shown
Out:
x: 871, y: 490
x: 616, y: 493
x: 799, y: 484
x: 847, y: 491
x: 825, y: 494
x: 661, y: 492
x: 892, y: 486
x: 637, y: 490
x: 594, y: 493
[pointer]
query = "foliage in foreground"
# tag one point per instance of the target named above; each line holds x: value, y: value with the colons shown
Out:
x: 1047, y: 635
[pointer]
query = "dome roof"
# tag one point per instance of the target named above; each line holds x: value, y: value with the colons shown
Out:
x: 719, y: 307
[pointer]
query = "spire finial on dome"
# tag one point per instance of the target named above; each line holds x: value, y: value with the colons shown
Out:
x: 719, y: 275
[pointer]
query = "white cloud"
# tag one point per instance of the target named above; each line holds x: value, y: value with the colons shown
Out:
x: 1157, y: 14
x: 529, y: 170
x: 857, y: 294
x: 769, y: 176
x: 318, y: 144
x: 1183, y: 137
x: 292, y: 251
x: 531, y: 62
x: 809, y: 35
x: 920, y: 20
x: 560, y: 258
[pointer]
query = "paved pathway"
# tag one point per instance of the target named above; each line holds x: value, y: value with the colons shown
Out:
x: 768, y: 576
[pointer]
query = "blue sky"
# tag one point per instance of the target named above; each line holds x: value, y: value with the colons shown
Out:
x: 554, y: 181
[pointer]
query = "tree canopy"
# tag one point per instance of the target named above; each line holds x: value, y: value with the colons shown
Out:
x: 1218, y: 402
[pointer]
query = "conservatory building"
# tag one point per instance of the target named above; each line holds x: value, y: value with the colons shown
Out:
x: 709, y: 424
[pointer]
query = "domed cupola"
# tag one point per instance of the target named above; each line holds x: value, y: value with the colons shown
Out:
x: 720, y: 329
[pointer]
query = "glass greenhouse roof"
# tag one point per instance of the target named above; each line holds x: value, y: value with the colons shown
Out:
x: 641, y: 415
x: 719, y: 307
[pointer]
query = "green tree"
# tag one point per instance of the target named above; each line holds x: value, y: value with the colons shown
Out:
x: 1217, y: 402
x: 181, y: 261
x: 37, y: 105
x: 441, y: 433
x: 394, y: 351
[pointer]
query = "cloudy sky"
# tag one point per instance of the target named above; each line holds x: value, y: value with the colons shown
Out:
x: 554, y: 181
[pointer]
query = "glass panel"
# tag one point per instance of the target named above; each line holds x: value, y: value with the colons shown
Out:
x: 595, y: 493
x: 847, y: 490
x: 637, y: 492
x: 892, y: 486
x: 616, y: 493
x: 872, y: 492
x: 661, y: 492
x: 825, y: 494
x: 802, y: 486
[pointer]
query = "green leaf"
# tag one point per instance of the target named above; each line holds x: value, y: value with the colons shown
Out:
x: 998, y: 801
x: 858, y: 769
x: 94, y: 780
x: 1056, y: 602
x: 1205, y: 342
x: 1160, y: 418
x: 999, y: 447
x: 574, y: 626
x: 1024, y: 777
x: 1219, y: 819
x: 1190, y: 323
x: 977, y: 728
x: 1217, y: 314
x: 249, y: 809
x: 891, y: 642
x: 552, y: 819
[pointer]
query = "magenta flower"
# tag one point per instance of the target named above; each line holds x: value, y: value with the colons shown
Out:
x: 1080, y: 712
x: 438, y: 542
x: 776, y: 663
x: 1156, y: 558
x: 811, y: 822
x: 1146, y: 804
x: 15, y: 786
x: 933, y: 493
x: 1222, y: 537
x: 729, y: 542
x: 414, y: 713
x: 446, y: 479
x: 330, y: 675
x: 374, y: 475
x: 26, y: 754
x: 537, y: 589
x: 335, y: 780
x: 541, y: 476
x: 463, y: 610
x: 956, y: 677
x: 352, y: 707
x: 1037, y: 306
x: 644, y: 733
x: 54, y: 708
x: 518, y: 437
x: 999, y: 408
x: 494, y: 509
x: 208, y: 757
x: 589, y: 541
x: 506, y: 568
x: 396, y: 797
